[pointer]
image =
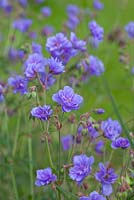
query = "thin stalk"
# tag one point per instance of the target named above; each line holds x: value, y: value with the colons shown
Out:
x: 16, y: 134
x: 115, y: 107
x: 14, y: 184
x: 49, y: 154
x: 59, y: 148
x: 6, y: 130
x: 59, y: 153
x: 31, y: 167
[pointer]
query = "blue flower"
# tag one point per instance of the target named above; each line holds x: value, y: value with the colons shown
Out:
x: 47, y: 79
x: 1, y: 93
x: 98, y: 146
x: 22, y: 24
x: 19, y: 84
x: 93, y: 196
x: 98, y: 5
x: 111, y: 129
x: 97, y: 33
x: 45, y: 177
x: 67, y: 142
x: 60, y: 47
x: 106, y: 177
x: 77, y: 44
x: 68, y: 99
x: 36, y: 48
x: 46, y: 11
x: 33, y: 65
x: 73, y: 9
x: 82, y: 167
x: 129, y: 28
x: 42, y: 113
x: 93, y: 66
x: 120, y: 143
x: 23, y: 3
x: 55, y: 66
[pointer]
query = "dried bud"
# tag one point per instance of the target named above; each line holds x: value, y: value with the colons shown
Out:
x: 72, y: 118
x: 85, y: 185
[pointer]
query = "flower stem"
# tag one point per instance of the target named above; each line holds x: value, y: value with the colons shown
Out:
x: 49, y: 154
x: 30, y: 167
x: 14, y: 184
x: 16, y: 134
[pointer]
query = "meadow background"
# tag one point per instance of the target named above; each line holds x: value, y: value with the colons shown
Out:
x: 114, y: 92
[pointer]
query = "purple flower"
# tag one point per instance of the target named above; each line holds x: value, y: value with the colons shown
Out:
x: 120, y: 143
x: 33, y: 65
x: 47, y: 30
x: 39, y: 1
x: 8, y: 9
x: 93, y: 133
x: 67, y: 142
x: 55, y: 66
x: 97, y: 33
x: 129, y: 28
x: 45, y: 177
x: 59, y: 46
x: 99, y: 111
x: 111, y: 129
x: 106, y: 177
x: 1, y: 93
x: 68, y: 99
x: 98, y: 5
x: 82, y: 167
x: 47, y: 80
x: 19, y: 84
x: 77, y: 44
x: 93, y: 196
x: 46, y: 11
x: 73, y: 9
x: 42, y: 112
x: 3, y: 3
x: 132, y: 70
x: 72, y: 22
x: 98, y: 146
x: 14, y: 54
x: 33, y: 35
x: 36, y: 48
x: 23, y: 3
x: 93, y: 66
x: 22, y: 24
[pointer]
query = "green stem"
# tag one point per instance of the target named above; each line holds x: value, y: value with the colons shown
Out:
x: 49, y: 154
x: 14, y: 185
x: 115, y: 107
x: 31, y: 167
x: 16, y: 134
